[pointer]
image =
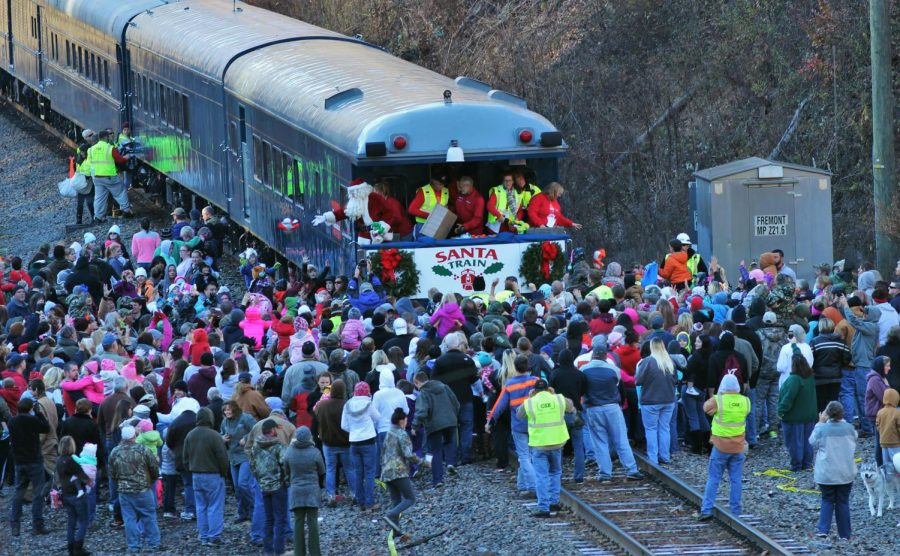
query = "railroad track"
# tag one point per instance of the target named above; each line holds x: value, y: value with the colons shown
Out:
x: 658, y: 516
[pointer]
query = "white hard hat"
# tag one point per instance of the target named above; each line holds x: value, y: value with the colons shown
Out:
x: 683, y: 238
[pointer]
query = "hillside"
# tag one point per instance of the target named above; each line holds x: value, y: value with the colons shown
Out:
x: 715, y: 81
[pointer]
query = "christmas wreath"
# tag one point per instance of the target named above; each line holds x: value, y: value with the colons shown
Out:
x: 542, y: 263
x: 397, y: 271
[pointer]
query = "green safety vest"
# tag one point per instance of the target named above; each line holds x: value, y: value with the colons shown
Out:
x: 602, y: 292
x: 731, y: 415
x: 503, y: 202
x: 546, y: 419
x: 122, y: 139
x: 693, y: 262
x: 527, y: 193
x: 431, y: 200
x: 101, y: 161
x: 84, y: 168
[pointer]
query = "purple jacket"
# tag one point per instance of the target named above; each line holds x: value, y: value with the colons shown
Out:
x: 875, y: 388
x: 445, y: 318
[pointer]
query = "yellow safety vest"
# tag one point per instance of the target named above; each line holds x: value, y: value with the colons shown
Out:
x: 122, y: 139
x: 101, y: 161
x: 602, y: 292
x: 693, y: 262
x: 546, y: 419
x: 502, y: 202
x: 731, y: 415
x: 529, y: 191
x: 431, y: 200
x: 84, y: 168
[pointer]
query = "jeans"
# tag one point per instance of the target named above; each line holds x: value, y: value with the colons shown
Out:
x: 209, y: 492
x: 243, y: 488
x: 363, y: 457
x: 547, y: 475
x: 169, y: 487
x: 442, y: 447
x: 835, y: 501
x: 379, y: 440
x: 113, y: 487
x: 752, y: 431
x: 767, y: 394
x: 525, y: 475
x: 577, y: 436
x: 103, y: 188
x: 139, y: 514
x: 466, y: 420
x: 190, y: 504
x: 657, y: 419
x: 311, y: 516
x: 33, y: 474
x: 403, y: 496
x: 606, y: 426
x: 92, y: 504
x: 718, y: 462
x: 673, y: 428
x: 77, y: 514
x: 275, y: 503
x: 693, y: 409
x: 887, y: 456
x: 853, y: 397
x: 500, y: 436
x: 796, y: 439
x: 335, y: 455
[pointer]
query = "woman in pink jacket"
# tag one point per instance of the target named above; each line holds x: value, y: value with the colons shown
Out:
x: 449, y: 317
x: 353, y: 331
x: 91, y: 385
x: 254, y: 326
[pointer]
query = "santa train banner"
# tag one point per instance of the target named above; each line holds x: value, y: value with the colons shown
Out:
x: 454, y: 268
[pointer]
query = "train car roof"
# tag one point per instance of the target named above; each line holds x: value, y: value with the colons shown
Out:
x: 349, y: 94
x: 108, y: 16
x: 206, y: 35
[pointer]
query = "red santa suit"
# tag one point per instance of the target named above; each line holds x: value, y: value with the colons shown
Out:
x: 365, y: 209
x: 544, y: 212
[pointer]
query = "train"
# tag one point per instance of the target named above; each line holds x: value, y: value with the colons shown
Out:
x: 263, y: 116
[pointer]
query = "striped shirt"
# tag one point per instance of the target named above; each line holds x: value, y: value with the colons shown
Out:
x: 514, y: 393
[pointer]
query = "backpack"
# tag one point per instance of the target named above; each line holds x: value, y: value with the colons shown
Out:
x: 733, y: 367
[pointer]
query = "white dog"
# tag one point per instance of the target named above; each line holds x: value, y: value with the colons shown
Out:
x: 879, y: 482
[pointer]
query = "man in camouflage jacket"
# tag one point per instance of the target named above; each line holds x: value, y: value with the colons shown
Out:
x: 135, y: 469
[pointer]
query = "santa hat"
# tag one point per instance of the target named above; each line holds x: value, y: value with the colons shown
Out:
x: 288, y: 225
x: 358, y: 185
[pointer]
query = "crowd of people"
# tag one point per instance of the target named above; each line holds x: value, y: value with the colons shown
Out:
x: 133, y: 377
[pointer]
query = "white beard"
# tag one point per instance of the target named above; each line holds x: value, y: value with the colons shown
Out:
x: 358, y: 206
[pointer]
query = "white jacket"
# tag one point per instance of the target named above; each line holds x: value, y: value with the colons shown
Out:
x: 359, y: 418
x: 784, y: 359
x: 387, y: 398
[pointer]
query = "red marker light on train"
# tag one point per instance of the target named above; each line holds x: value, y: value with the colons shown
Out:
x: 399, y: 142
x: 526, y: 136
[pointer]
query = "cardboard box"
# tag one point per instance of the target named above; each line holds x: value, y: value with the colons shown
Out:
x: 439, y: 223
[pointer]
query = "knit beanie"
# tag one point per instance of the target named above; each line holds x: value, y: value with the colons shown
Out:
x: 361, y: 389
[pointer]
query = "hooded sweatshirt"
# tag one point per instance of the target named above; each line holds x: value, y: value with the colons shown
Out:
x: 359, y: 418
x: 386, y: 399
x: 835, y: 444
x: 875, y: 388
x: 204, y: 450
x: 865, y: 339
x: 329, y: 413
x: 888, y: 420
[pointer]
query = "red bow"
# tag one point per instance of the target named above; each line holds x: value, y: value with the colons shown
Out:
x: 549, y: 251
x: 390, y: 258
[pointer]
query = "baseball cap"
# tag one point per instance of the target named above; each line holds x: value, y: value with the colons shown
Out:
x: 245, y: 378
x: 541, y: 384
x: 87, y: 133
x: 308, y: 348
x: 179, y: 212
x: 769, y: 318
x: 400, y: 327
x: 108, y: 339
x: 598, y: 344
x: 269, y: 425
x: 683, y: 238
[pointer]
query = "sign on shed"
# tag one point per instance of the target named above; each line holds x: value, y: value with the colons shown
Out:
x: 770, y: 225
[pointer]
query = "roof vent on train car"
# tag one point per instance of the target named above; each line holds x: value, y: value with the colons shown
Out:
x: 508, y: 98
x: 551, y: 139
x: 472, y: 83
x: 343, y: 98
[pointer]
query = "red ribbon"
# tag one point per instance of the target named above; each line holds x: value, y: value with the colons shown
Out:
x: 549, y: 251
x: 390, y: 258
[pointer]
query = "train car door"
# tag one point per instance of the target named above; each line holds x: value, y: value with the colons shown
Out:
x: 243, y: 167
x: 39, y: 53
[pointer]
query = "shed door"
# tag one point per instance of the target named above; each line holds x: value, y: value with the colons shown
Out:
x: 772, y: 219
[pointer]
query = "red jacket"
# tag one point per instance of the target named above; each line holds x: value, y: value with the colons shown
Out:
x: 300, y: 406
x: 469, y: 210
x: 20, y: 381
x: 395, y: 215
x: 11, y: 397
x: 541, y: 207
x: 14, y: 277
x: 376, y: 208
x: 629, y: 356
x: 284, y: 330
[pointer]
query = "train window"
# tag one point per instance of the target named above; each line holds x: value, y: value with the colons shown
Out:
x: 232, y: 138
x: 34, y: 26
x: 80, y: 61
x: 288, y: 164
x: 267, y: 163
x: 68, y: 55
x: 298, y: 181
x: 185, y: 114
x: 163, y: 104
x: 144, y: 92
x: 106, y: 74
x: 93, y: 73
x: 257, y: 159
x: 277, y: 172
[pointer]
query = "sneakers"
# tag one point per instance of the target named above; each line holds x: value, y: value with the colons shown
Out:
x: 555, y: 508
x: 527, y: 494
x: 188, y: 516
x: 542, y: 515
x: 604, y: 479
x: 170, y: 515
x: 451, y: 469
x: 635, y: 476
x: 99, y: 220
x: 704, y: 517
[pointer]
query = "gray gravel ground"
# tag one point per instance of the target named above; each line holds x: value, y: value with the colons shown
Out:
x: 795, y: 514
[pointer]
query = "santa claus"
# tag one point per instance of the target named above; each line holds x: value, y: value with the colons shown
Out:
x: 366, y: 212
